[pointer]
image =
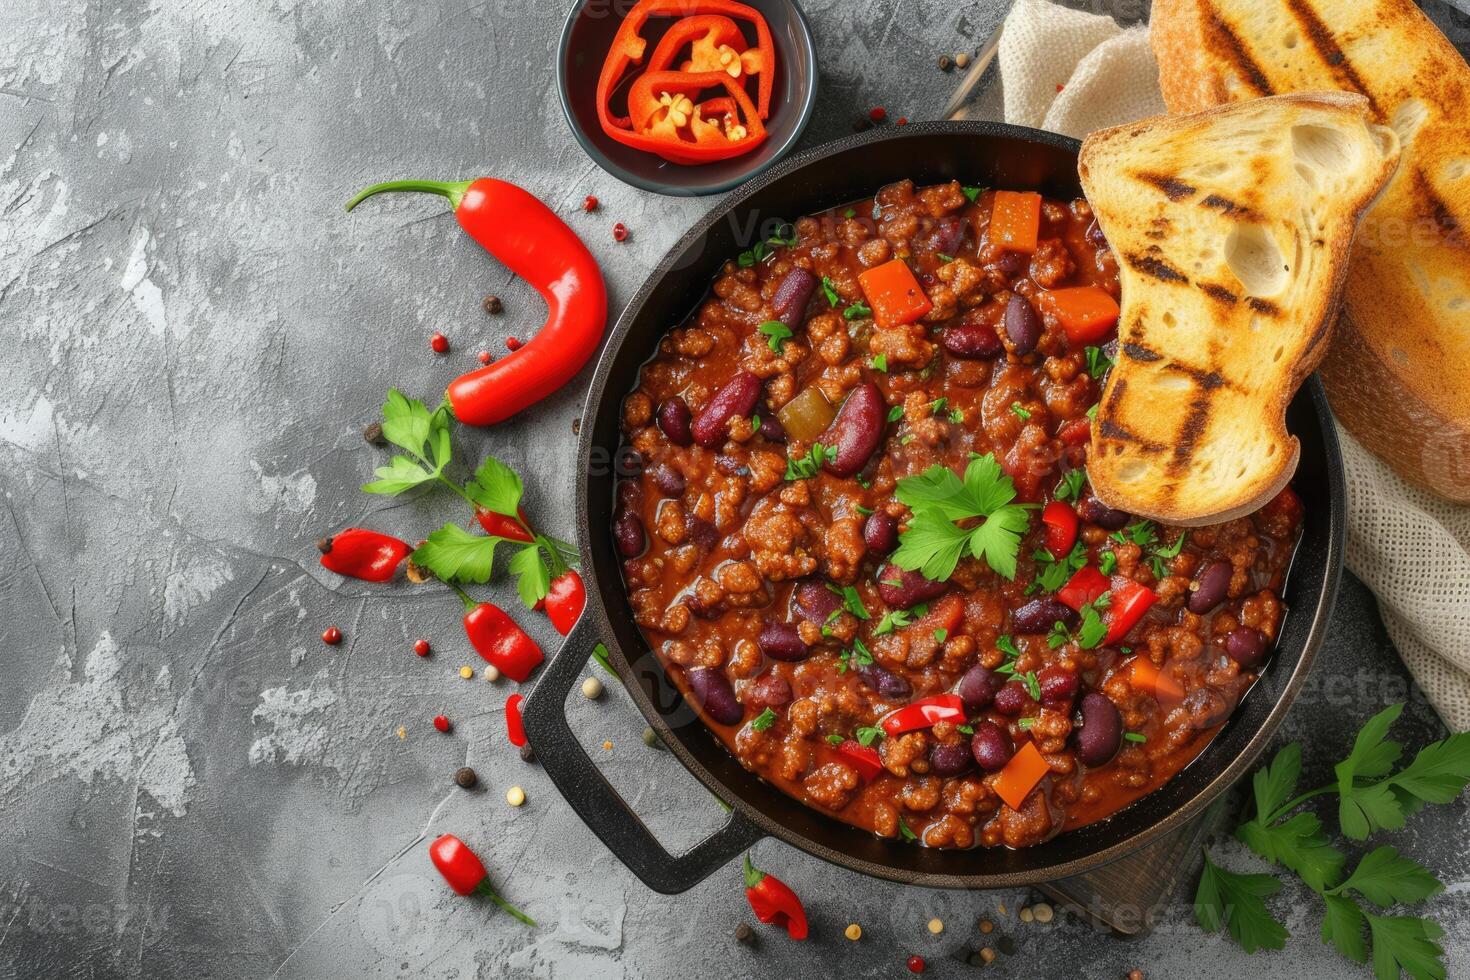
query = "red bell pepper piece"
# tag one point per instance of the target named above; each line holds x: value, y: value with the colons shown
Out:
x: 923, y: 713
x: 661, y: 105
x: 465, y: 872
x: 1076, y: 432
x: 1015, y: 220
x: 1083, y: 587
x: 565, y: 600
x: 1086, y: 313
x: 1061, y: 528
x: 368, y: 555
x: 773, y: 902
x: 515, y: 728
x: 710, y: 38
x: 863, y: 758
x: 893, y: 294
x: 497, y: 638
x: 1130, y: 601
x: 947, y: 614
x: 536, y: 245
x: 501, y: 526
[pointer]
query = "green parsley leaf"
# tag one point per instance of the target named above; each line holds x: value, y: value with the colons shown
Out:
x: 857, y: 311
x: 1404, y: 943
x: 453, y: 554
x: 859, y: 656
x: 1093, y: 629
x: 1025, y: 723
x: 1007, y: 646
x: 1019, y: 412
x: 1107, y: 562
x: 1059, y: 635
x: 868, y: 734
x: 879, y: 363
x: 776, y: 333
x: 999, y: 538
x: 1343, y: 928
x: 941, y: 634
x: 533, y: 578
x: 1437, y: 775
x: 1052, y: 574
x: 895, y: 413
x: 1098, y: 362
x: 1092, y: 412
x: 409, y: 425
x: 784, y: 235
x: 931, y: 545
x: 972, y: 192
x: 904, y: 829
x: 763, y: 720
x: 806, y: 467
x: 938, y: 497
x: 957, y: 416
x: 892, y: 620
x: 496, y: 487
x: 1033, y: 684
x: 938, y: 405
x: 1071, y: 486
x: 852, y: 602
x: 1135, y: 736
x: 1299, y: 844
x: 1385, y: 879
x: 399, y: 475
x: 835, y: 740
x: 849, y: 213
x: 830, y: 291
x: 1237, y: 903
x: 1274, y: 782
x: 753, y: 255
x: 946, y: 259
x: 965, y: 729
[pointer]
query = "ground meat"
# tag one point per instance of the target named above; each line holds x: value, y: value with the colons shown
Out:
x: 831, y: 785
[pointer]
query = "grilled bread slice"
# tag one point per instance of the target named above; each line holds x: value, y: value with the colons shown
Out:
x: 1231, y: 229
x: 1398, y: 370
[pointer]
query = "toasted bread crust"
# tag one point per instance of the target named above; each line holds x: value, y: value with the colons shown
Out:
x: 1398, y: 374
x: 1232, y: 229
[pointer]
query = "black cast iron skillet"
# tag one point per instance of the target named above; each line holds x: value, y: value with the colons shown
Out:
x: 989, y: 154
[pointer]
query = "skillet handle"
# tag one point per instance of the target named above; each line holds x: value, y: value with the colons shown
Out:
x: 593, y: 797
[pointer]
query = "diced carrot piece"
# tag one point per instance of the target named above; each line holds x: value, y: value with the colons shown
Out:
x: 893, y: 294
x: 1087, y: 313
x: 1144, y: 676
x: 1015, y: 220
x: 1020, y: 776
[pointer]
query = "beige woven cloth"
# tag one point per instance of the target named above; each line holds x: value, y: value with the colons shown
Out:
x: 1073, y: 72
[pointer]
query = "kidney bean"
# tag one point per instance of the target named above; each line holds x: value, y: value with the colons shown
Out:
x: 769, y: 690
x: 856, y: 431
x: 781, y: 641
x: 977, y: 688
x: 972, y: 342
x: 673, y: 419
x: 712, y: 690
x: 816, y: 602
x: 1094, y: 511
x: 670, y: 482
x: 949, y: 233
x: 1059, y: 687
x: 950, y: 760
x: 1101, y: 732
x: 1209, y: 587
x: 1039, y: 615
x: 1023, y: 326
x: 737, y: 397
x: 628, y: 533
x: 885, y: 682
x: 1012, y: 264
x: 880, y: 532
x: 771, y: 428
x: 1246, y: 646
x: 991, y: 745
x: 792, y: 296
x: 1012, y: 699
x: 703, y: 533
x: 911, y: 589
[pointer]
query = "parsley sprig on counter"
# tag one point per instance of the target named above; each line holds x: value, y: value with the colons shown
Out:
x: 945, y: 508
x: 1371, y: 797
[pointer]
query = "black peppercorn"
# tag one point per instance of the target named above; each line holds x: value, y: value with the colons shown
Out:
x: 374, y: 434
x: 465, y: 778
x: 744, y: 934
x: 492, y: 305
x: 1006, y: 945
x: 945, y: 62
x: 862, y: 124
x: 527, y: 753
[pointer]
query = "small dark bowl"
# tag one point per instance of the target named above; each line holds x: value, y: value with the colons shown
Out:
x: 585, y: 41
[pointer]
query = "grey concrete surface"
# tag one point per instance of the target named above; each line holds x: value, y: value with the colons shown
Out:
x: 191, y: 783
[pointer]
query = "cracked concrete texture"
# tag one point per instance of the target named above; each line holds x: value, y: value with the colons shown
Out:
x: 191, y: 782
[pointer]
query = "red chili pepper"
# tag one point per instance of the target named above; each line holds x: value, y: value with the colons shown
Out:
x: 465, y: 872
x: 501, y: 526
x: 1061, y: 528
x: 1130, y: 601
x: 532, y: 242
x: 565, y: 600
x: 862, y: 758
x: 1075, y: 432
x: 497, y: 638
x: 368, y: 555
x: 925, y: 712
x: 515, y: 728
x: 1085, y: 585
x: 773, y: 902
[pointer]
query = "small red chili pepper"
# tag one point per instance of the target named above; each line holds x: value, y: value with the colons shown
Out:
x: 497, y: 638
x: 863, y: 758
x: 484, y: 357
x: 773, y: 902
x: 368, y: 555
x: 441, y: 723
x: 532, y: 242
x: 439, y: 344
x: 916, y: 964
x: 515, y: 729
x: 501, y: 526
x: 1061, y: 528
x: 565, y: 600
x: 589, y: 203
x: 331, y: 636
x: 877, y: 113
x: 512, y: 344
x: 620, y: 232
x: 465, y: 872
x: 924, y: 712
x: 421, y: 647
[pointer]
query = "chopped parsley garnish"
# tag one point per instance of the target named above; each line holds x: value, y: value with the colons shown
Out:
x: 1140, y: 533
x: 1053, y: 574
x: 942, y: 501
x: 879, y: 363
x: 849, y: 213
x: 1070, y: 487
x: 776, y: 333
x: 1092, y: 412
x: 785, y: 235
x: 1025, y: 724
x: 1059, y: 635
x: 1135, y: 736
x: 851, y: 601
x: 1098, y: 362
x: 763, y: 720
x: 835, y: 740
x: 752, y: 255
x: 858, y: 656
x: 941, y: 634
x: 830, y: 291
x: 895, y: 413
x: 1007, y: 646
x: 755, y: 423
x: 904, y: 829
x: 972, y: 192
x: 857, y: 311
x: 806, y: 467
x: 1094, y: 629
x: 1019, y: 412
x: 956, y: 416
x: 938, y: 405
x: 868, y: 734
x: 1033, y: 684
x: 1160, y: 555
x: 965, y: 729
x: 892, y: 620
x: 946, y: 259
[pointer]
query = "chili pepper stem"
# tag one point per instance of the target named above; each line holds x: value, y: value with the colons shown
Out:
x: 469, y: 602
x: 753, y: 875
x: 453, y: 191
x: 484, y: 889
